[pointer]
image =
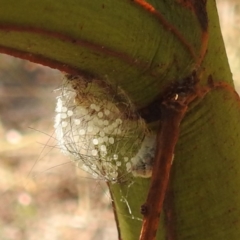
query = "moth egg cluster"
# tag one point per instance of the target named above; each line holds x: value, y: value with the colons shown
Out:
x: 96, y: 133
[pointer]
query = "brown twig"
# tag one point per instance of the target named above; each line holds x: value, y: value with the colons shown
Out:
x: 174, y: 108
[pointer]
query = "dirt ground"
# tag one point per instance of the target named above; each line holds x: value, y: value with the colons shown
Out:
x: 43, y: 195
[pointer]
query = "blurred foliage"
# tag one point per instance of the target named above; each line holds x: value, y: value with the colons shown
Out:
x: 229, y: 13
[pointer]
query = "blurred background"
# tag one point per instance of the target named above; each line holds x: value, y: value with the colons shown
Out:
x: 42, y: 195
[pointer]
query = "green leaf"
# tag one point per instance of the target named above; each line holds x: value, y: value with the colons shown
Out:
x: 113, y: 39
